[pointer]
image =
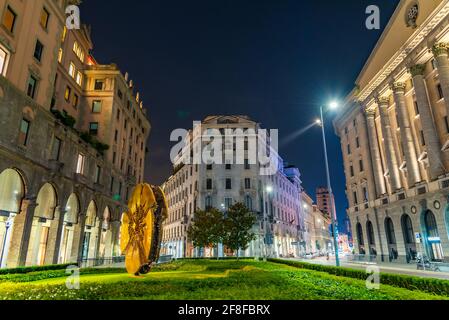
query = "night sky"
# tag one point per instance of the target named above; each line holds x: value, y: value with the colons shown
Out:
x: 274, y: 60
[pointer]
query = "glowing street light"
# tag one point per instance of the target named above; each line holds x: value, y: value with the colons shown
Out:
x: 333, y: 105
x: 269, y: 189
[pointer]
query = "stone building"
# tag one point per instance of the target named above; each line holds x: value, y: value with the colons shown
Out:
x: 200, y: 186
x: 317, y: 238
x: 58, y: 200
x: 394, y: 133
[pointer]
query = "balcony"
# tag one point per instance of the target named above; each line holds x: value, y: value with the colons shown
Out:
x: 80, y: 178
x: 55, y: 167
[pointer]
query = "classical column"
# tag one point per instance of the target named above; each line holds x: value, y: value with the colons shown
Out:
x: 392, y: 161
x: 375, y: 152
x: 21, y: 234
x: 54, y: 238
x: 440, y: 51
x: 408, y: 144
x: 436, y: 167
x: 78, y: 237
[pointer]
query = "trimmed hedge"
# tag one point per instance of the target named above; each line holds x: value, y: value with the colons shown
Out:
x: 429, y: 285
x: 22, y: 270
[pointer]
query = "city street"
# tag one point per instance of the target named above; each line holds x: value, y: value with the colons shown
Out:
x: 406, y: 269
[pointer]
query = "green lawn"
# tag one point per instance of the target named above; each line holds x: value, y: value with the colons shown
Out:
x: 200, y: 280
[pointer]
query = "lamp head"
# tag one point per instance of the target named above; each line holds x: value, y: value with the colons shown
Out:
x: 333, y: 105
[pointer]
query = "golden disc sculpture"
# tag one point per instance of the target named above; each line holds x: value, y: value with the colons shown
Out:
x: 141, y: 229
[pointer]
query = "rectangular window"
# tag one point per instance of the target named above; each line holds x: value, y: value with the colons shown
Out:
x: 415, y: 103
x: 56, y: 149
x: 228, y: 203
x: 446, y: 121
x: 4, y: 56
x: 79, y: 78
x: 60, y: 55
x: 440, y: 91
x: 111, y: 187
x: 68, y: 93
x: 357, y: 142
x: 228, y: 184
x: 361, y: 166
x: 209, y: 184
x: 120, y: 94
x: 32, y: 85
x: 24, y: 132
x: 75, y: 101
x: 116, y: 136
x: 114, y: 157
x: 349, y: 149
x: 93, y: 128
x: 72, y: 70
x: 96, y: 106
x: 423, y: 140
x: 351, y: 168
x: 97, y: 174
x: 209, y: 167
x: 228, y: 166
x: 99, y: 85
x: 356, y: 200
x: 9, y: 19
x: 247, y: 165
x: 80, y: 163
x: 45, y: 16
x: 247, y: 183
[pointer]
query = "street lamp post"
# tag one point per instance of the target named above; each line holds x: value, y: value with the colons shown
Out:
x: 329, y: 186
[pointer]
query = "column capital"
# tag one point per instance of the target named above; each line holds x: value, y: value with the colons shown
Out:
x: 370, y: 111
x: 440, y: 48
x: 381, y: 101
x: 398, y: 87
x: 417, y: 70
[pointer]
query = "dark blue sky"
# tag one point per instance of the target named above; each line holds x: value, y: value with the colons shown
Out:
x: 274, y: 60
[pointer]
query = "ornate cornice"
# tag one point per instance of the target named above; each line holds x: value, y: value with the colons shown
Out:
x: 422, y: 33
x: 440, y: 48
x: 417, y: 70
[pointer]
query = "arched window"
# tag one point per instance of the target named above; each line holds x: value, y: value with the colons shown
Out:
x: 370, y: 230
x: 389, y: 229
x: 249, y: 203
x: 407, y: 229
x: 360, y: 235
x: 46, y: 202
x: 12, y: 191
x: 91, y: 214
x: 431, y: 225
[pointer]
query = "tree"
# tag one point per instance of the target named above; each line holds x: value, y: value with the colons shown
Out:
x: 238, y: 225
x: 207, y: 229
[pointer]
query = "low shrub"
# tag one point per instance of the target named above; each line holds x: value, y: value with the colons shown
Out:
x: 430, y: 285
x: 22, y: 270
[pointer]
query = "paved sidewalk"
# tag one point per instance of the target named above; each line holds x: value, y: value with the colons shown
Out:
x: 407, y: 269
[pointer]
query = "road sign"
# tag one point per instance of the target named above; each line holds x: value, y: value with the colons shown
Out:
x: 418, y: 237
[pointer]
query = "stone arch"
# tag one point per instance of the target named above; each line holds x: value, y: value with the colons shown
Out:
x: 391, y: 239
x: 91, y: 235
x: 431, y: 236
x: 70, y: 224
x: 371, y: 239
x: 12, y: 190
x: 47, y: 201
x: 43, y: 216
x: 360, y: 239
x: 12, y: 194
x: 409, y: 237
x: 91, y: 214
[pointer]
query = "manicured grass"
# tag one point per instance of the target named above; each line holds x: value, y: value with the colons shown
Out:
x: 200, y: 280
